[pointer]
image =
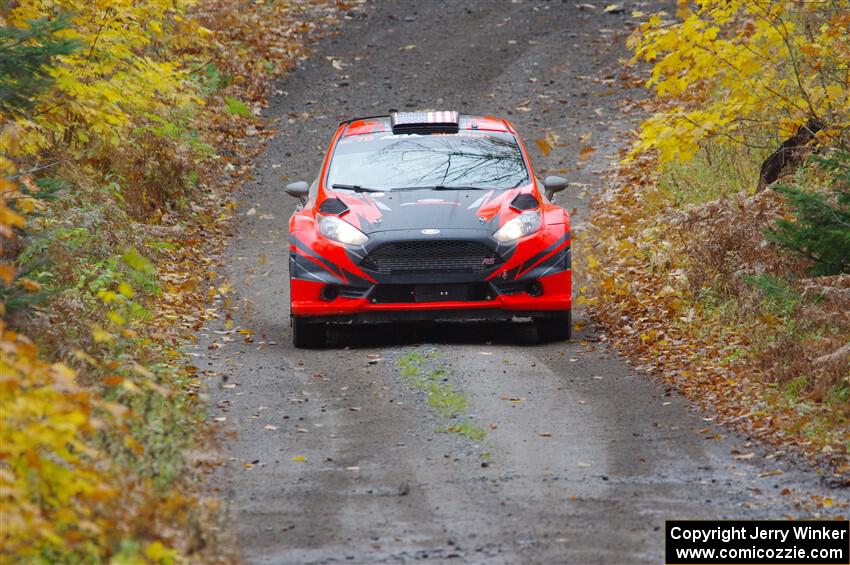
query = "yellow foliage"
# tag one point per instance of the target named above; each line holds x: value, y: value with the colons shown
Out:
x: 739, y: 70
x: 61, y: 499
x: 115, y: 79
x: 50, y: 486
x: 58, y: 492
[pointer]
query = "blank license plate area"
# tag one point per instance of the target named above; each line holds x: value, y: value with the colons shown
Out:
x: 440, y: 292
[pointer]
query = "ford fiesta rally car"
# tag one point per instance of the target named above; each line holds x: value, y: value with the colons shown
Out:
x: 428, y: 216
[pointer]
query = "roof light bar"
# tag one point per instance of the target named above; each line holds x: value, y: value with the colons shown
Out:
x: 424, y: 122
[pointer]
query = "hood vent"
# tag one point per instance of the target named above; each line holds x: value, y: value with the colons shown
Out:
x: 524, y: 202
x: 333, y: 206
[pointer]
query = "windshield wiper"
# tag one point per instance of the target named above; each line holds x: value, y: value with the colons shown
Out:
x: 355, y: 188
x: 460, y: 187
x: 442, y: 187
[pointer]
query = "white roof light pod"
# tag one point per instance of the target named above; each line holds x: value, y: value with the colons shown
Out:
x: 424, y: 122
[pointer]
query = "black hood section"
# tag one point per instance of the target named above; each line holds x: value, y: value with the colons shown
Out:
x: 428, y: 209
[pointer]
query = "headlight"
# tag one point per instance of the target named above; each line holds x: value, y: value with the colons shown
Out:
x: 339, y: 230
x: 521, y: 226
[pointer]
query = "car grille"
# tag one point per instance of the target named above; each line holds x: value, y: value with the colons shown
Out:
x: 436, y: 256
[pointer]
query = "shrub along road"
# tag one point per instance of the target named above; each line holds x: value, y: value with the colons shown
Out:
x: 559, y: 452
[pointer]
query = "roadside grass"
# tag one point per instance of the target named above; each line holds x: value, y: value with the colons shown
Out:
x: 418, y: 369
x: 717, y: 171
x: 469, y: 431
x: 685, y: 280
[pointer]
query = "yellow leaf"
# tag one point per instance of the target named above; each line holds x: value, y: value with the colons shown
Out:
x: 101, y: 336
x: 137, y: 262
x: 116, y: 317
x: 125, y: 289
x: 26, y: 205
x: 108, y: 296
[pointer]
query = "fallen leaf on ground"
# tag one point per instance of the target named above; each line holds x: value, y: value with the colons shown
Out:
x: 511, y: 398
x: 585, y: 152
x: 547, y: 143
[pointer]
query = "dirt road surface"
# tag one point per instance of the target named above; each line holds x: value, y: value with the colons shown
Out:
x: 336, y: 456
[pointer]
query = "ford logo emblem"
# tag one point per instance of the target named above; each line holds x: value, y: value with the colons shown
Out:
x: 430, y: 232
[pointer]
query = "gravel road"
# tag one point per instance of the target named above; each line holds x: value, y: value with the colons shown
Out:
x: 336, y: 456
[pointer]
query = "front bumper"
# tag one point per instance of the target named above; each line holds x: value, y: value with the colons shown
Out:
x: 490, y: 300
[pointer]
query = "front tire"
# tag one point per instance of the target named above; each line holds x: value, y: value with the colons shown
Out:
x: 554, y: 328
x: 307, y: 335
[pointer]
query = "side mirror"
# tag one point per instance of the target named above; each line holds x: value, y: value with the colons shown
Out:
x: 298, y: 189
x: 554, y: 184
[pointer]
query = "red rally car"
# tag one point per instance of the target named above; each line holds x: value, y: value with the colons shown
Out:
x: 428, y: 216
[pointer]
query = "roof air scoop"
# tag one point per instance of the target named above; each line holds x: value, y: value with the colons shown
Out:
x: 424, y: 122
x: 524, y: 201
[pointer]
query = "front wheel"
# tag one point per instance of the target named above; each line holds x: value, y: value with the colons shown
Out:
x: 307, y: 335
x: 554, y: 328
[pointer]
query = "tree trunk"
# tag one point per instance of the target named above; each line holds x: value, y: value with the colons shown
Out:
x: 7, y: 7
x: 789, y: 155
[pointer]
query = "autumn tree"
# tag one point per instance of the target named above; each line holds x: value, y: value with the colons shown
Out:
x: 750, y: 72
x: 116, y: 77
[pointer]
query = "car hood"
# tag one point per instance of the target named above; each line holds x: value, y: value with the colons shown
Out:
x: 430, y: 209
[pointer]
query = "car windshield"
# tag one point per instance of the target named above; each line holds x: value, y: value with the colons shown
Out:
x: 465, y: 159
